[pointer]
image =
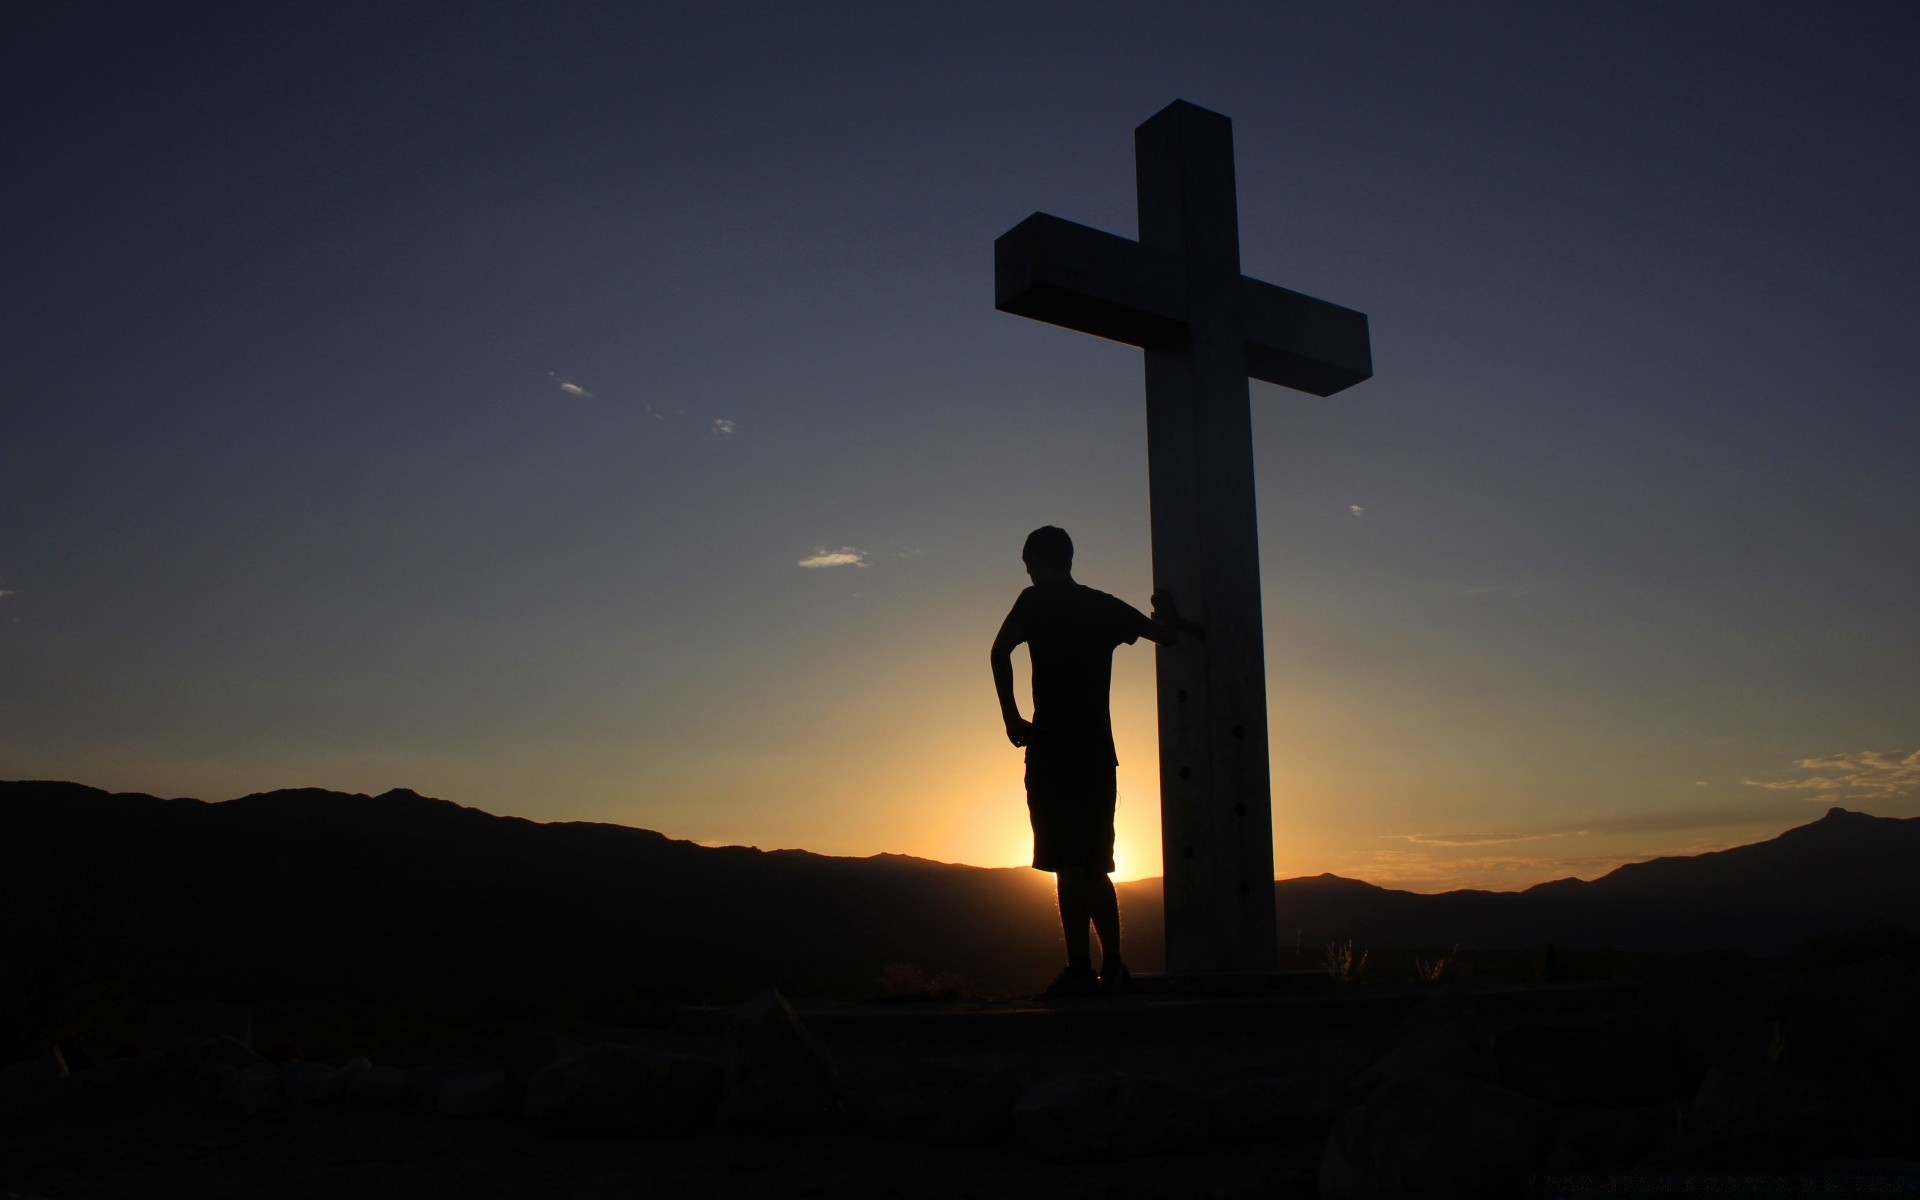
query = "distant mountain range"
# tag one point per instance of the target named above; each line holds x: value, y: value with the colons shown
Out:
x: 324, y: 895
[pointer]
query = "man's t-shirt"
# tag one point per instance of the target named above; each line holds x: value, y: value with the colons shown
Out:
x: 1071, y: 631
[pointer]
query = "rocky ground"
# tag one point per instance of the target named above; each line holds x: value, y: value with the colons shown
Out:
x: 1711, y: 1077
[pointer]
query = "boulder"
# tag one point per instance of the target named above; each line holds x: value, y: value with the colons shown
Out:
x: 1602, y: 1141
x: 342, y: 1079
x: 377, y: 1086
x: 943, y: 1104
x: 1081, y: 1117
x: 459, y: 1088
x: 536, y: 1051
x: 629, y: 1088
x: 1756, y: 1120
x: 1853, y: 1029
x: 1264, y: 1108
x: 1441, y: 1038
x: 147, y: 1070
x: 307, y: 1082
x: 191, y: 1022
x: 1723, y: 1009
x: 779, y: 1079
x: 252, y: 1091
x: 1611, y: 1062
x: 31, y: 1084
x: 228, y: 1050
x: 1423, y: 1137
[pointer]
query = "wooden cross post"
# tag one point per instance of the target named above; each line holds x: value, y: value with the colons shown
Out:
x: 1178, y: 293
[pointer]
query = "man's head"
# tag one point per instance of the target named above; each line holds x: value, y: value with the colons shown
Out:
x: 1048, y: 550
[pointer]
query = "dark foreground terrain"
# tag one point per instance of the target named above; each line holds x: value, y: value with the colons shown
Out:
x: 1713, y: 1073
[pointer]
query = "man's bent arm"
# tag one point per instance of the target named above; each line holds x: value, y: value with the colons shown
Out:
x: 1002, y: 658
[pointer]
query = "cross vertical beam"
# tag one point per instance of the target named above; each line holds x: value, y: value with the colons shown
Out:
x: 1216, y: 822
x: 1178, y: 294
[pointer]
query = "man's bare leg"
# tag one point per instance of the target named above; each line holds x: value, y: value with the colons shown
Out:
x: 1103, y: 906
x: 1075, y: 915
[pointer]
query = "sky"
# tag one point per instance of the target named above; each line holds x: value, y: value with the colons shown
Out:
x: 599, y: 412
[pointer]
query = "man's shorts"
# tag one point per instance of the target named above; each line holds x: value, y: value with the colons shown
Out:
x: 1071, y: 805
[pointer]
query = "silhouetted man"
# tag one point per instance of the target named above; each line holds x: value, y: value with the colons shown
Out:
x: 1071, y: 632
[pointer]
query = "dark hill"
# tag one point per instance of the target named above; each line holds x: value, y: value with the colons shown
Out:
x: 1845, y: 870
x: 323, y: 894
x: 313, y: 894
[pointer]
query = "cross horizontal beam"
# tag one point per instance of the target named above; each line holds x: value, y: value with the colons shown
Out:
x: 1070, y: 275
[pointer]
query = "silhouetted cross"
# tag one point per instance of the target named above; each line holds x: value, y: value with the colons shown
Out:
x: 1178, y: 294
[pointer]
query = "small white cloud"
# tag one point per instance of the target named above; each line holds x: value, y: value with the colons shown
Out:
x: 1699, y: 783
x: 1358, y: 510
x: 845, y: 556
x: 574, y: 389
x: 722, y: 425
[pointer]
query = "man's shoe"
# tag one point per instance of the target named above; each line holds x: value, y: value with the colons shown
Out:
x: 1072, y: 982
x: 1114, y: 977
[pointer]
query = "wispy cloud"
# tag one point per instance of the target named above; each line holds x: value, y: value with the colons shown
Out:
x: 722, y: 425
x: 1468, y: 839
x: 1757, y: 814
x: 1867, y: 773
x: 1358, y: 510
x: 845, y: 556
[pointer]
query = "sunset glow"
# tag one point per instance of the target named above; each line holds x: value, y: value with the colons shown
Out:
x: 602, y: 415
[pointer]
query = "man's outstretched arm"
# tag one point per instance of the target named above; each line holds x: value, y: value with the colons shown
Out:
x: 1165, y: 624
x: 1019, y: 730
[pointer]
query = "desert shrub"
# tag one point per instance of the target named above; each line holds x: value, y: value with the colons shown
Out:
x: 1439, y: 968
x: 1342, y: 964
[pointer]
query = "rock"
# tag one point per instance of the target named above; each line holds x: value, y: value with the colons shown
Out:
x: 613, y: 1087
x: 228, y: 1050
x: 1615, y: 1061
x: 1758, y: 1120
x: 29, y: 1085
x: 779, y: 1079
x: 307, y: 1082
x: 191, y: 1022
x: 1612, y: 1140
x: 1853, y: 1030
x: 53, y: 1064
x: 461, y: 1089
x: 343, y: 1078
x: 252, y: 1091
x: 120, y: 1073
x: 1250, y: 1108
x: 1723, y: 1009
x: 1732, y: 1102
x: 1442, y: 1038
x: 1080, y: 1117
x: 212, y: 1081
x: 538, y: 1050
x: 378, y: 1086
x: 943, y: 1105
x: 1421, y: 1136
